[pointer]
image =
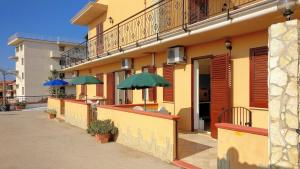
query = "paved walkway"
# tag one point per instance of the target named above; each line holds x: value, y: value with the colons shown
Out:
x: 198, y: 149
x: 30, y: 141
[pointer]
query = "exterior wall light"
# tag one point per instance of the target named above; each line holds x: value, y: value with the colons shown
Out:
x: 228, y: 45
x: 287, y: 7
x: 111, y: 20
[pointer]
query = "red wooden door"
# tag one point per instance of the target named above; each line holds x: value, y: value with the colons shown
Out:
x: 198, y: 10
x: 110, y: 88
x: 220, y: 89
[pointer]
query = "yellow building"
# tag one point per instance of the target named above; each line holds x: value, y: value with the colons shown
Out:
x: 214, y: 53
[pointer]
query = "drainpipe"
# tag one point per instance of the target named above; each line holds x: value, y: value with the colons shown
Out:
x: 153, y: 58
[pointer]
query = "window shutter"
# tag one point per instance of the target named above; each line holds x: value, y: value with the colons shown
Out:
x: 110, y: 88
x: 99, y: 87
x: 220, y: 89
x: 259, y: 77
x: 168, y: 92
x: 83, y: 90
x: 152, y: 91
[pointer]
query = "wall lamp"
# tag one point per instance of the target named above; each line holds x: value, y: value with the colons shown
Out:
x: 111, y: 20
x: 287, y: 7
x: 228, y: 45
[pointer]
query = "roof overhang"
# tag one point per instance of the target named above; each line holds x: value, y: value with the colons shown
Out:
x: 89, y: 13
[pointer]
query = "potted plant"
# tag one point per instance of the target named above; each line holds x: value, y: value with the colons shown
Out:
x: 103, y: 130
x: 51, y: 113
x: 20, y: 105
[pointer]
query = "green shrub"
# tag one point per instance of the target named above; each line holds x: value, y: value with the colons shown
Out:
x: 102, y: 127
x: 51, y: 111
x: 21, y: 104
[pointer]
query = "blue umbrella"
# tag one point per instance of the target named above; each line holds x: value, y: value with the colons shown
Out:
x: 56, y: 82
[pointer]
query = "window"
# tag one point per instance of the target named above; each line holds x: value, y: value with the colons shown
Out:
x: 259, y: 77
x: 61, y: 48
x: 22, y: 75
x: 168, y: 92
x: 23, y: 91
x: 21, y: 47
x: 62, y: 61
x: 61, y: 75
x: 22, y: 61
x: 17, y: 49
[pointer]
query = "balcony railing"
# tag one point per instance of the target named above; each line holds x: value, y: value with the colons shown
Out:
x: 149, y: 25
x: 236, y: 115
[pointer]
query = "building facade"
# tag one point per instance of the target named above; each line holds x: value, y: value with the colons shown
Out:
x: 216, y: 55
x: 35, y: 58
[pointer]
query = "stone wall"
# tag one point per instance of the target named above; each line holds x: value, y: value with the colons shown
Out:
x: 284, y: 94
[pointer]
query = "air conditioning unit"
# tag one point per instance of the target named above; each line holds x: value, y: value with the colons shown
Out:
x: 126, y: 63
x: 176, y: 55
x: 75, y: 73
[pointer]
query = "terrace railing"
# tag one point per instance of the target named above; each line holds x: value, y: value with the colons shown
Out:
x: 149, y: 25
x: 236, y: 115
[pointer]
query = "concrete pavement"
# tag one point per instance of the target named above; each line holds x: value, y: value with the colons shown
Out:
x: 30, y: 141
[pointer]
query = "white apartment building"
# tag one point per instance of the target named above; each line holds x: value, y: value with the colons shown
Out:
x: 35, y: 57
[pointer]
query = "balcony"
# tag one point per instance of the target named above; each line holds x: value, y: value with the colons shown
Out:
x: 163, y: 20
x: 15, y: 58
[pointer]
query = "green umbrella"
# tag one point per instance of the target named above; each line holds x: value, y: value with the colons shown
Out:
x: 143, y: 81
x: 85, y: 80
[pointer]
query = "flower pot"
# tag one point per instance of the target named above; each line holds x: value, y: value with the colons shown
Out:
x: 103, y: 138
x: 51, y: 116
x: 19, y: 107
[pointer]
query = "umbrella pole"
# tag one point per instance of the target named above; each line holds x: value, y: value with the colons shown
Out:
x: 145, y: 99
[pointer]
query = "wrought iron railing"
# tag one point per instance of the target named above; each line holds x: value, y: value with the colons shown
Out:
x: 148, y: 25
x: 236, y: 115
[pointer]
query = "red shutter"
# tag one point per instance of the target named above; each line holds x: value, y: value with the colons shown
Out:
x: 259, y: 77
x: 168, y: 73
x: 99, y: 87
x: 220, y: 89
x: 99, y: 31
x: 151, y: 91
x: 110, y: 88
x: 83, y: 90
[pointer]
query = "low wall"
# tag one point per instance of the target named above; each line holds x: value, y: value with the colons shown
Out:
x: 152, y: 133
x: 57, y: 105
x: 242, y: 147
x: 77, y: 113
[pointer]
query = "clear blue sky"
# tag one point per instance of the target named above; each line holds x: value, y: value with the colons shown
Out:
x: 41, y: 17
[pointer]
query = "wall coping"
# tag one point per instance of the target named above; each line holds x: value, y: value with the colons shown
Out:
x: 128, y: 110
x: 76, y: 101
x: 251, y: 130
x: 54, y: 98
x: 132, y: 105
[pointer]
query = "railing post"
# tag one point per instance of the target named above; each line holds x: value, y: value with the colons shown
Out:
x: 118, y: 29
x: 183, y: 16
x: 228, y: 10
x: 86, y: 49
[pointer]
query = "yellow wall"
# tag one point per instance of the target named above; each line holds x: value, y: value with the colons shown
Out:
x: 152, y: 135
x: 240, y: 150
x: 55, y: 104
x: 117, y: 12
x: 76, y: 114
x: 182, y: 103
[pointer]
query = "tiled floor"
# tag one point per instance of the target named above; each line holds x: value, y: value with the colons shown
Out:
x: 198, y: 149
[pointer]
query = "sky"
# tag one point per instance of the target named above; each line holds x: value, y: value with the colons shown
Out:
x: 50, y: 18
